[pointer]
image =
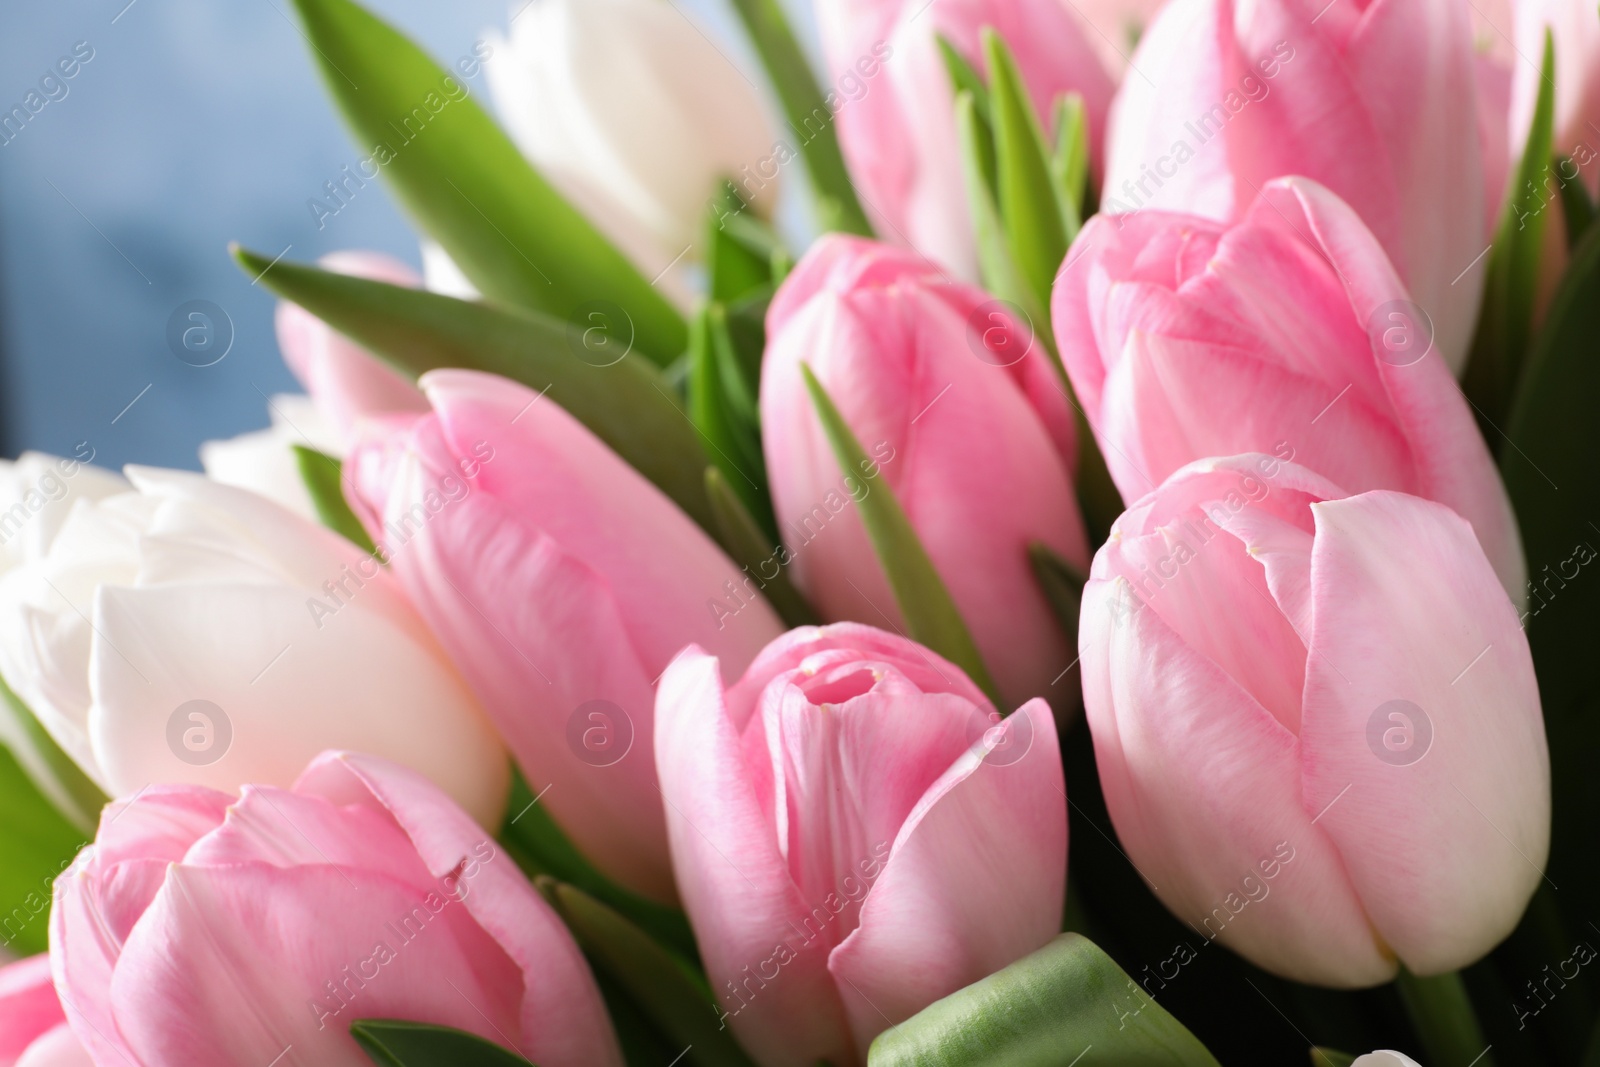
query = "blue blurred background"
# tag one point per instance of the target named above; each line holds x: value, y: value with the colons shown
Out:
x: 195, y: 123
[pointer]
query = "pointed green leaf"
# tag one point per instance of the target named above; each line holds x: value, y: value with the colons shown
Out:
x: 965, y: 78
x: 1069, y: 165
x: 931, y: 615
x: 321, y: 474
x: 626, y: 403
x: 394, y: 1043
x: 1024, y: 189
x: 36, y: 844
x: 1042, y: 1011
x: 811, y: 121
x: 750, y: 546
x: 465, y: 184
x: 1512, y: 284
x: 1001, y: 274
x: 541, y: 848
x: 722, y: 414
x: 672, y: 994
x: 56, y: 776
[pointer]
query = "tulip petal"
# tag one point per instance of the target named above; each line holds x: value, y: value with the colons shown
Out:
x: 1444, y: 848
x: 59, y: 1047
x: 987, y: 830
x: 28, y: 1005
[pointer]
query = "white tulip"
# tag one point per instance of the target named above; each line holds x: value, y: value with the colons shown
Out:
x: 636, y: 116
x: 264, y: 461
x: 193, y: 632
x: 1385, y: 1058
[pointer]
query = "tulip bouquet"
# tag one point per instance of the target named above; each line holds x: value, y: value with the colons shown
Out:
x: 682, y: 624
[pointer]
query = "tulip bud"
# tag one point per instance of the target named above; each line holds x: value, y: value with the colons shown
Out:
x: 843, y: 822
x: 1316, y: 722
x: 186, y: 631
x: 1233, y: 95
x: 200, y: 928
x: 33, y: 1028
x: 967, y: 424
x: 896, y: 105
x: 1286, y: 333
x: 562, y: 583
x: 631, y: 111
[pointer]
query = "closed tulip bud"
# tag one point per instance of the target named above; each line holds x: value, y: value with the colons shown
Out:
x: 844, y: 821
x: 33, y: 1028
x: 631, y: 111
x: 204, y: 928
x: 895, y: 105
x: 1316, y: 722
x: 1287, y: 332
x: 965, y: 421
x: 562, y: 583
x: 185, y: 631
x: 1234, y: 95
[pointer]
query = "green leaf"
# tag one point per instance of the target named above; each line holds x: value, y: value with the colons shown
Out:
x: 671, y: 993
x: 626, y: 403
x: 55, y: 774
x: 752, y: 549
x: 393, y: 1043
x: 321, y: 474
x: 1510, y: 291
x: 1043, y: 1011
x: 464, y: 183
x: 1069, y: 166
x: 1025, y: 192
x: 931, y: 615
x: 1327, y: 1057
x: 723, y: 411
x: 966, y: 79
x: 810, y: 118
x: 541, y: 848
x: 1001, y: 274
x: 1444, y: 1019
x: 36, y: 844
x: 1577, y: 210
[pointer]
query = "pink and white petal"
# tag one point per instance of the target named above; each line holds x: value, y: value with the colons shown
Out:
x: 1444, y: 848
x: 991, y: 828
x: 59, y: 1047
x: 747, y: 913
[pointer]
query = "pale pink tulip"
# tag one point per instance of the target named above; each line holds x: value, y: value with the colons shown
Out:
x: 967, y: 424
x: 1288, y: 333
x: 346, y: 380
x: 895, y: 107
x: 1316, y: 722
x: 856, y: 834
x: 237, y: 932
x: 1376, y: 100
x: 33, y: 1029
x: 1574, y: 26
x: 562, y: 583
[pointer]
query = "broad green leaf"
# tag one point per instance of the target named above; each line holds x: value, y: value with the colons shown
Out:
x: 1327, y: 1057
x: 671, y: 993
x: 468, y: 187
x: 54, y: 773
x: 723, y: 412
x: 1510, y: 290
x: 588, y: 371
x: 1577, y: 210
x: 811, y: 118
x: 1024, y: 190
x: 930, y: 614
x: 1042, y: 1011
x: 1069, y: 165
x: 394, y: 1043
x: 1553, y: 479
x: 753, y: 549
x: 541, y: 848
x: 321, y: 474
x: 36, y: 844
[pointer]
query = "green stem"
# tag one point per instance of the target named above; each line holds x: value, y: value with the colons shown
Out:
x: 810, y: 118
x: 1443, y: 1017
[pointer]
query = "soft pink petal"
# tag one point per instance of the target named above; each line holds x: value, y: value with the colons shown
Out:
x: 28, y: 1006
x: 57, y: 1048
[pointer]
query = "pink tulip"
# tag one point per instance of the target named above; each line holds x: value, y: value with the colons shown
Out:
x: 975, y: 441
x: 1316, y: 722
x: 1375, y: 100
x: 895, y: 107
x: 1288, y: 333
x: 33, y: 1029
x: 1574, y: 27
x: 854, y: 835
x: 200, y: 928
x: 562, y: 583
x: 345, y: 379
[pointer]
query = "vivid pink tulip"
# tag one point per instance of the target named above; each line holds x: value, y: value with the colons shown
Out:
x: 967, y: 423
x: 346, y: 380
x: 1574, y: 26
x: 240, y: 931
x: 856, y: 833
x: 1287, y: 332
x: 1376, y: 100
x: 33, y: 1029
x: 1316, y: 722
x: 562, y: 583
x: 895, y: 107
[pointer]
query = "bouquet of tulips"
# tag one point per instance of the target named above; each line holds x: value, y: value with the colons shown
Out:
x: 676, y: 630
